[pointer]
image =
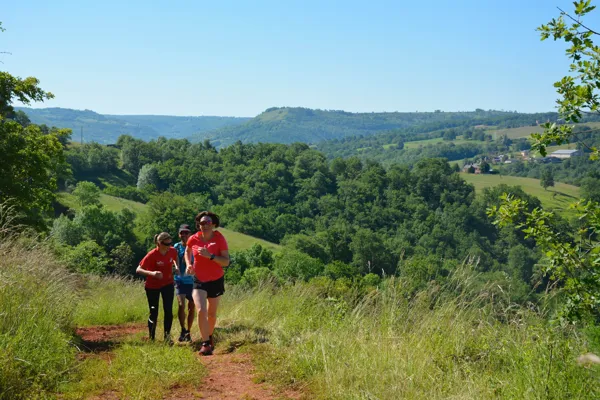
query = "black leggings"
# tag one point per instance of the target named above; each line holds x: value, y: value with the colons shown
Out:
x: 153, y: 296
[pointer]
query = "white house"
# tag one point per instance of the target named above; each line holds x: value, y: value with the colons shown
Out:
x: 566, y: 153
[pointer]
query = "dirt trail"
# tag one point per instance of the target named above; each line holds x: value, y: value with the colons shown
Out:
x: 230, y: 375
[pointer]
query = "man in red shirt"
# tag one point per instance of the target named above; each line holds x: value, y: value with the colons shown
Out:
x: 157, y: 267
x: 211, y: 254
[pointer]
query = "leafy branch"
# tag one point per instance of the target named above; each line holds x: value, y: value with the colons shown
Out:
x: 579, y: 90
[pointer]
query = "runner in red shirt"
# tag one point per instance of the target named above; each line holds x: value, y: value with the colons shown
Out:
x: 211, y: 254
x: 157, y: 267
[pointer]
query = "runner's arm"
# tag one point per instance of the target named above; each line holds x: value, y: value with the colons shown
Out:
x: 223, y: 259
x: 144, y: 272
x: 188, y: 260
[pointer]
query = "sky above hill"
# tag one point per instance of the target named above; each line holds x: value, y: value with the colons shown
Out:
x: 237, y: 58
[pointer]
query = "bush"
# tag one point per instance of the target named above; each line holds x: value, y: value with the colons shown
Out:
x: 256, y: 276
x: 127, y: 192
x: 86, y: 257
x: 294, y: 265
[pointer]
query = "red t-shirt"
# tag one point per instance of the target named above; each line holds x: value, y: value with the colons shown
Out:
x: 207, y: 270
x: 154, y: 261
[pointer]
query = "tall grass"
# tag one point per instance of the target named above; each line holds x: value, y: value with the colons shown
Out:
x: 387, y: 347
x: 111, y: 301
x: 37, y: 300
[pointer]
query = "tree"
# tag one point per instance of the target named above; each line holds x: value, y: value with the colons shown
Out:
x: 578, y: 91
x: 32, y: 163
x: 87, y: 194
x: 31, y: 160
x: 547, y: 179
x: 22, y: 118
x: 571, y: 258
x: 23, y: 90
x: 148, y: 176
x: 590, y: 188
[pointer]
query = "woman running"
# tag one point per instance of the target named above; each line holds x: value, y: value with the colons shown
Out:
x: 157, y: 267
x: 211, y: 254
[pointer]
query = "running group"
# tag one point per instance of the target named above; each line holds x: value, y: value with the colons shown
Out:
x: 199, y: 260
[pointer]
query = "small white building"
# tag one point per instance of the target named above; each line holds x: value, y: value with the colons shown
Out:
x: 566, y: 153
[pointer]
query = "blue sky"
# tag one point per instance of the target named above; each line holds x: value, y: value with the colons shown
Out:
x: 239, y: 58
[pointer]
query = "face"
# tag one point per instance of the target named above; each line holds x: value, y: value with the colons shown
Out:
x: 184, y: 236
x: 206, y: 224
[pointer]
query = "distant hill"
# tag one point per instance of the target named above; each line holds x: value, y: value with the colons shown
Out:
x: 288, y: 125
x: 106, y: 129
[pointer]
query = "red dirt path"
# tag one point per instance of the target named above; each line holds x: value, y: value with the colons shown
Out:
x: 230, y: 375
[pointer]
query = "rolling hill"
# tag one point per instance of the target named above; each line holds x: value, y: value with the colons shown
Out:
x: 106, y: 129
x: 295, y: 124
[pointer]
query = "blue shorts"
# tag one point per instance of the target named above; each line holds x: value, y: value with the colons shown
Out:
x: 182, y: 289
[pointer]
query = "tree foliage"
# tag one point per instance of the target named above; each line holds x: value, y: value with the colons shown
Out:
x: 23, y: 90
x: 571, y: 259
x: 32, y: 164
x: 578, y: 91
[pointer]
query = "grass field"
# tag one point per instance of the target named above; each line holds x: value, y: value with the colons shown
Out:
x: 423, y: 143
x: 557, y: 198
x: 236, y: 240
x: 514, y: 133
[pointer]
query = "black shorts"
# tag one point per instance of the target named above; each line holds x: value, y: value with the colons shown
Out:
x: 212, y: 288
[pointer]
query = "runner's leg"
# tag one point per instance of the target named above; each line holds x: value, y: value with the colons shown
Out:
x: 191, y: 314
x: 181, y: 310
x: 213, y: 304
x: 153, y: 296
x: 201, y: 307
x: 168, y: 292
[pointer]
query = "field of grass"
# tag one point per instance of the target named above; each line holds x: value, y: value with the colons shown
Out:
x: 514, y: 133
x: 557, y: 198
x: 385, y: 347
x: 235, y: 240
x: 423, y: 143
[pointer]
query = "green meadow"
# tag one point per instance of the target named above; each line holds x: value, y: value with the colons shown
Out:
x: 557, y: 198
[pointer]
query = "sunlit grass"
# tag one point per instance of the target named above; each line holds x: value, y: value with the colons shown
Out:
x: 388, y: 348
x: 558, y: 197
x: 111, y: 301
x: 37, y: 300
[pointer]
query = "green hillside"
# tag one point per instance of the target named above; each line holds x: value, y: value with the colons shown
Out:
x: 515, y: 133
x: 236, y: 240
x: 557, y: 198
x: 106, y: 129
x: 289, y: 125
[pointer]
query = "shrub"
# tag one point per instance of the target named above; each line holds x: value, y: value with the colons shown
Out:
x: 256, y: 276
x: 294, y: 265
x: 87, y: 257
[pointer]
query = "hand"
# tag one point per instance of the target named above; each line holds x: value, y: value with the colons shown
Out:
x: 157, y: 274
x: 189, y: 270
x: 203, y: 251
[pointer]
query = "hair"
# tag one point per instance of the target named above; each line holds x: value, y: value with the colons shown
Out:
x: 214, y: 217
x: 160, y: 237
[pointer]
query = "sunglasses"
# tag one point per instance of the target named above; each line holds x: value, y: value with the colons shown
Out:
x: 202, y: 223
x: 166, y: 243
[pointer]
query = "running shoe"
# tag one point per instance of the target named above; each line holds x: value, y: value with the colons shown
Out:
x: 206, y: 349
